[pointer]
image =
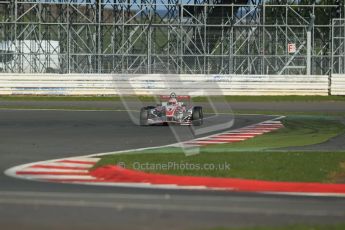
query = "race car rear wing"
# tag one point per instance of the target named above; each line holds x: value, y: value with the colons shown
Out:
x: 179, y: 98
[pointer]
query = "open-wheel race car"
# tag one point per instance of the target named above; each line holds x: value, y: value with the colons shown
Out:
x: 172, y: 109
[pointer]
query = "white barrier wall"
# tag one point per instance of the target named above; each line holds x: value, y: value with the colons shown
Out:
x: 154, y: 84
x: 338, y: 84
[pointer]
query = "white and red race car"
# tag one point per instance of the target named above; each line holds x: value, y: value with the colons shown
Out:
x: 172, y: 110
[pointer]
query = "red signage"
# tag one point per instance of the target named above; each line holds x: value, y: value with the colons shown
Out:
x: 291, y: 48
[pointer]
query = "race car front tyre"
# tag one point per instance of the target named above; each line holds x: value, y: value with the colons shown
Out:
x: 144, y: 113
x: 197, y: 116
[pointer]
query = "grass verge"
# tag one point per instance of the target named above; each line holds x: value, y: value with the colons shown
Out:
x: 250, y: 159
x: 274, y: 166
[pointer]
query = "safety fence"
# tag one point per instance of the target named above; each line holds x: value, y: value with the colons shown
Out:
x: 337, y: 84
x: 156, y: 84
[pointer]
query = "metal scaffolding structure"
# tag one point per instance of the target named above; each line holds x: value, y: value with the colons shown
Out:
x: 338, y: 46
x: 170, y: 36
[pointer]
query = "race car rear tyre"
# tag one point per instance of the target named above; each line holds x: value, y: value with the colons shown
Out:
x: 144, y: 114
x: 197, y: 116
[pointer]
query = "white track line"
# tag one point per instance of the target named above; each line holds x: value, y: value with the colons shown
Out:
x: 58, y: 177
x: 59, y: 164
x: 35, y: 170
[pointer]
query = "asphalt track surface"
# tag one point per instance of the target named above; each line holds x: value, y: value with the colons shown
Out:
x: 311, y: 106
x: 28, y: 136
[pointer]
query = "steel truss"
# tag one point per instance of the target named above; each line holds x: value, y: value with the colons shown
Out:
x: 169, y: 36
x: 338, y: 46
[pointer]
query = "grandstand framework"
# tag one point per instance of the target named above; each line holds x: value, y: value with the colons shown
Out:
x: 173, y: 36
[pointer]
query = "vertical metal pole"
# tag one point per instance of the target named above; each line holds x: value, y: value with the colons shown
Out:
x: 17, y: 60
x: 99, y: 38
x: 168, y: 37
x: 332, y: 53
x: 310, y: 28
x: 123, y: 39
x: 113, y: 36
x: 181, y: 40
x: 205, y: 48
x: 263, y: 37
x: 286, y: 34
x: 68, y: 39
x: 220, y: 69
x: 231, y: 45
x: 38, y: 44
x: 249, y: 35
x: 276, y: 65
x: 308, y: 52
x: 342, y: 21
x: 149, y: 39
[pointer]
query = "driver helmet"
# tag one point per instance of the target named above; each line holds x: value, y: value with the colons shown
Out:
x: 172, y: 101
